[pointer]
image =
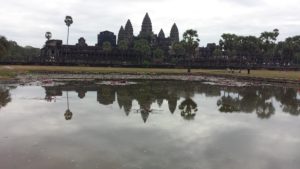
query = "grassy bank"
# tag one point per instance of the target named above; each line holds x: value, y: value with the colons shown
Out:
x: 12, y: 71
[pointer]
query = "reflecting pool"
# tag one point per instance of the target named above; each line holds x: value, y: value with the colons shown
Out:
x: 149, y: 125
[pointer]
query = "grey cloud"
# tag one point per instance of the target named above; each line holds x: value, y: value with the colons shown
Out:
x: 27, y: 21
x: 245, y: 2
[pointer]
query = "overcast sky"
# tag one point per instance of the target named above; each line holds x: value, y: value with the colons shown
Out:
x: 26, y: 21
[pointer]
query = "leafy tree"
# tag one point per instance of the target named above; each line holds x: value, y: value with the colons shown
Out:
x: 190, y: 42
x: 229, y: 44
x: 106, y: 46
x: 158, y: 53
x: 178, y: 49
x: 249, y: 47
x: 123, y: 46
x: 217, y: 53
x: 269, y: 37
x: 142, y: 46
x: 288, y: 50
x: 241, y: 49
x: 268, y: 45
x: 4, y: 46
x: 11, y: 51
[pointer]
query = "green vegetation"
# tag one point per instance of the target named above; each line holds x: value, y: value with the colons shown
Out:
x: 106, y: 47
x: 123, y: 45
x: 256, y: 50
x: 188, y: 109
x: 158, y: 53
x: 11, y: 51
x: 142, y: 46
x: 178, y: 49
x: 4, y: 45
x: 190, y: 42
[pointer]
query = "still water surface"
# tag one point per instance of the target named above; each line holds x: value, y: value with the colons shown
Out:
x: 149, y: 125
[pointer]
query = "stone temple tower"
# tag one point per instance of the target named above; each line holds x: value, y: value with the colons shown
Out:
x: 174, y: 35
x: 161, y: 34
x: 121, y: 35
x: 146, y: 27
x: 128, y: 31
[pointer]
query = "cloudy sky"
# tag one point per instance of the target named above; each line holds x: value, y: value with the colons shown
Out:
x: 26, y: 21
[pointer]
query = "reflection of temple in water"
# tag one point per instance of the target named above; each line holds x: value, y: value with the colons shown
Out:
x: 144, y: 93
x: 259, y: 100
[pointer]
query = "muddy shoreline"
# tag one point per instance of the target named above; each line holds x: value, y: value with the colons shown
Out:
x: 224, y: 80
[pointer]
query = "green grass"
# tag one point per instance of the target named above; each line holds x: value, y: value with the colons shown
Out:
x: 12, y: 71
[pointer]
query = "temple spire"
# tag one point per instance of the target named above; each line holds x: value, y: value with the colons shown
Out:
x: 129, y: 30
x: 161, y: 34
x: 146, y: 27
x: 174, y: 35
x: 121, y: 35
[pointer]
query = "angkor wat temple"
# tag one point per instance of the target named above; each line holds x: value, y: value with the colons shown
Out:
x: 55, y: 52
x: 178, y: 94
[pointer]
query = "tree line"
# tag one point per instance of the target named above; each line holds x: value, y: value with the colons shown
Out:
x: 232, y: 48
x: 263, y: 49
x: 10, y: 51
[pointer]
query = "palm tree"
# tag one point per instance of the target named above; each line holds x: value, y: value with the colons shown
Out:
x: 68, y: 114
x: 123, y: 46
x: 48, y: 35
x: 142, y: 46
x: 106, y: 46
x: 69, y: 22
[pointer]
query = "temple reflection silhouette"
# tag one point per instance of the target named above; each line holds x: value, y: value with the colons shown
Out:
x: 255, y: 99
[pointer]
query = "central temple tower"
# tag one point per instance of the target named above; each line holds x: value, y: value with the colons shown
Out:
x: 129, y: 31
x: 146, y: 27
